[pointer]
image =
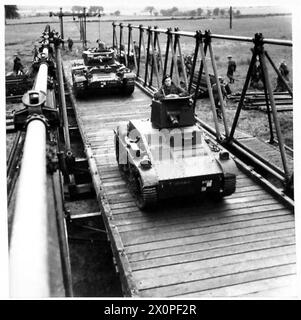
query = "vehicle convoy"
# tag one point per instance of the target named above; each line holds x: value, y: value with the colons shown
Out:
x: 99, y: 72
x: 169, y: 155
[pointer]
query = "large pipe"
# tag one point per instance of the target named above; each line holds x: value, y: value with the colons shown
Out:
x: 287, y: 43
x: 41, y: 79
x: 29, y: 276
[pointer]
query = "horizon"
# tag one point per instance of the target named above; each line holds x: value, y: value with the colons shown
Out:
x: 136, y: 9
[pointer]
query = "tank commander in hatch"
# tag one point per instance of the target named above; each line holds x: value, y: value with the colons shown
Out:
x: 101, y: 45
x: 169, y: 90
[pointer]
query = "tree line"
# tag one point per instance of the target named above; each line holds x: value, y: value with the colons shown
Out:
x: 11, y: 11
x: 174, y: 11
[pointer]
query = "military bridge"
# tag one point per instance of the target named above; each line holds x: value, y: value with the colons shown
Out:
x: 242, y: 246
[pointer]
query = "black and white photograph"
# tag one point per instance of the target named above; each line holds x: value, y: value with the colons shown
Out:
x: 148, y: 151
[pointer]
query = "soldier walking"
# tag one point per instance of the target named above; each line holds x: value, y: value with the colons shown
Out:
x: 231, y: 69
x: 70, y: 44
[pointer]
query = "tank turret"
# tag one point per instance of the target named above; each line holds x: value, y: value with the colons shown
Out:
x: 96, y: 57
x: 172, y: 112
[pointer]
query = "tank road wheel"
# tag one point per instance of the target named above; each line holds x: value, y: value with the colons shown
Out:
x: 229, y: 185
x: 128, y: 89
x: 77, y: 92
x: 145, y: 197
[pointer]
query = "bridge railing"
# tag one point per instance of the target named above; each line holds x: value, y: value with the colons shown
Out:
x: 151, y: 61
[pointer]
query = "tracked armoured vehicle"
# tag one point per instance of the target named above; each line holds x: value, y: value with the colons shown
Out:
x: 170, y: 156
x: 100, y: 73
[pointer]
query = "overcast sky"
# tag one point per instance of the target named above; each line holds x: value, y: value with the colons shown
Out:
x: 137, y: 6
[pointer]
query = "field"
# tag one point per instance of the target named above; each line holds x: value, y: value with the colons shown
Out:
x: 21, y: 37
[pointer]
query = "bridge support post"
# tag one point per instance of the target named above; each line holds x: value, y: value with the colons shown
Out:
x: 154, y: 60
x: 114, y: 41
x: 220, y: 95
x: 139, y: 45
x: 200, y: 74
x: 182, y: 63
x: 157, y: 44
x: 129, y: 42
x: 274, y: 109
x: 196, y: 51
x: 174, y: 65
x: 204, y: 64
x: 168, y: 32
x: 242, y: 97
x: 147, y: 57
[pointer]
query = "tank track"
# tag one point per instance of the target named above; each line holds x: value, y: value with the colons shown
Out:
x: 150, y: 196
x: 229, y: 185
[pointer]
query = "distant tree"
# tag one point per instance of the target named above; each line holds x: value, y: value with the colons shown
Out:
x: 199, y: 11
x: 156, y: 13
x: 117, y: 13
x: 95, y: 9
x: 237, y: 13
x: 192, y: 13
x: 216, y: 11
x: 209, y: 12
x: 149, y: 9
x: 11, y: 12
x: 174, y: 10
x: 222, y: 12
x: 77, y: 9
x: 169, y: 12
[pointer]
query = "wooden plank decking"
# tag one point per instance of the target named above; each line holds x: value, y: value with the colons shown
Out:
x: 241, y: 246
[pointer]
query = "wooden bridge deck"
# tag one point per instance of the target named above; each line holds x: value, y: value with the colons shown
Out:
x: 241, y: 246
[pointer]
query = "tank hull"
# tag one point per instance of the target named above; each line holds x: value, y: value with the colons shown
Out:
x: 181, y: 161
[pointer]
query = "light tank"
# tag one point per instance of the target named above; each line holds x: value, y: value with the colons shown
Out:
x: 100, y: 73
x: 169, y: 155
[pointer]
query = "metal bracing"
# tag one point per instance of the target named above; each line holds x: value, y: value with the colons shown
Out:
x: 182, y: 62
x: 220, y: 95
x: 213, y: 108
x: 200, y: 73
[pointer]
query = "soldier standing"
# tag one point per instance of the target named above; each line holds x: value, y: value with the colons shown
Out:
x: 283, y: 69
x: 231, y: 69
x: 18, y: 67
x: 70, y: 44
x: 101, y: 45
x: 257, y: 76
